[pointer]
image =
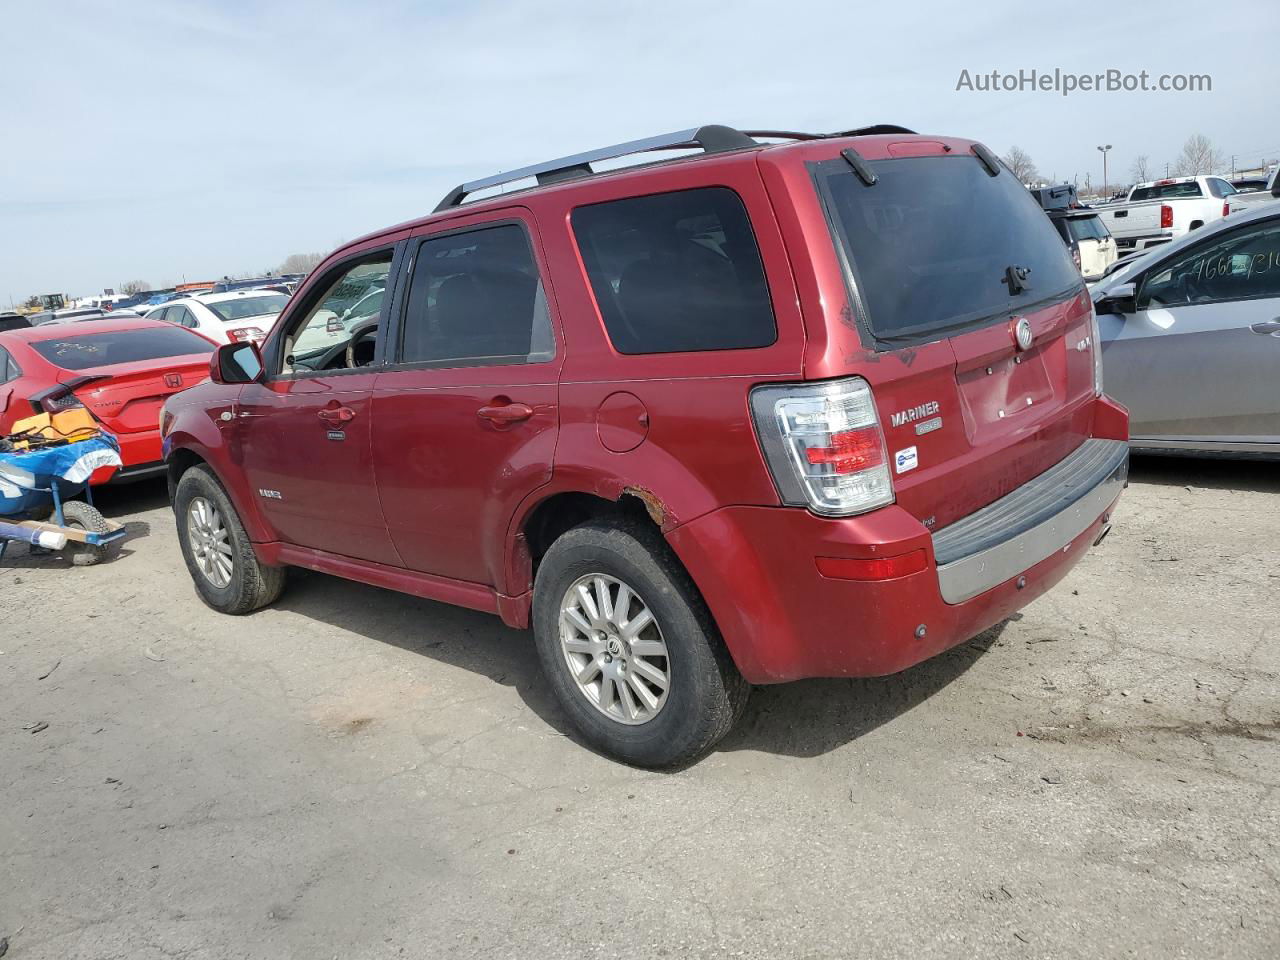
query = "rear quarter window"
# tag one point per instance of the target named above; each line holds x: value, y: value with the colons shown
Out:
x: 676, y: 272
x: 87, y: 351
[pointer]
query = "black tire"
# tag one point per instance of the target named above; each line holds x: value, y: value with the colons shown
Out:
x: 83, y: 516
x: 706, y: 694
x: 251, y: 584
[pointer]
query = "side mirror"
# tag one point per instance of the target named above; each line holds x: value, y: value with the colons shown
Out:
x: 236, y: 363
x: 1120, y: 299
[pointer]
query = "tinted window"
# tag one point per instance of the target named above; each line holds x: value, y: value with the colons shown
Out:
x: 1220, y: 188
x: 931, y: 241
x: 1244, y: 264
x: 676, y: 271
x: 243, y: 307
x: 476, y: 297
x: 8, y: 369
x: 1165, y: 191
x: 84, y: 352
x: 1086, y: 228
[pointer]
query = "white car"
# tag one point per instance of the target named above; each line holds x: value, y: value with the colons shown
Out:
x: 225, y: 317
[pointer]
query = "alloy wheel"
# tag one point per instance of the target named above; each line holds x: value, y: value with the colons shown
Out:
x: 614, y: 649
x: 210, y: 541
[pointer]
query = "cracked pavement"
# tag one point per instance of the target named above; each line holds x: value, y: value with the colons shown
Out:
x: 359, y: 774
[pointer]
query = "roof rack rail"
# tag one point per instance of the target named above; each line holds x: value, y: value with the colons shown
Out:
x: 712, y: 138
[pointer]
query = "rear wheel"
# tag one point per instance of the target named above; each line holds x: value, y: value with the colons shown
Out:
x: 83, y: 516
x: 630, y: 649
x: 219, y: 556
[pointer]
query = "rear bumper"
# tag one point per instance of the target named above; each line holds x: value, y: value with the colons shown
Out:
x: 1031, y: 523
x: 141, y: 455
x: 783, y: 620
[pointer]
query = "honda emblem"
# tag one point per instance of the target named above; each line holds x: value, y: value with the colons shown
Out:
x: 173, y: 379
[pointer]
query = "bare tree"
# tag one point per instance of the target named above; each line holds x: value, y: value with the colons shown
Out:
x: 1198, y: 157
x: 131, y: 287
x: 1023, y: 167
x: 1141, y: 169
x: 300, y: 263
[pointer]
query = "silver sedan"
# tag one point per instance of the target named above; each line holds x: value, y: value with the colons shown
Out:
x: 1191, y: 339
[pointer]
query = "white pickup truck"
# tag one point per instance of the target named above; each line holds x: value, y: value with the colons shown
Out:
x: 1244, y: 199
x: 1164, y: 210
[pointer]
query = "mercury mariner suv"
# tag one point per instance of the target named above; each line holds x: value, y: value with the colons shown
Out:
x: 769, y: 406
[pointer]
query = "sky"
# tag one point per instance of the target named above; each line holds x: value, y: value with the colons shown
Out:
x: 182, y: 140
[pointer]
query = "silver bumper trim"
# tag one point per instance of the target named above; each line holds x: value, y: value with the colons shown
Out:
x: 1031, y: 524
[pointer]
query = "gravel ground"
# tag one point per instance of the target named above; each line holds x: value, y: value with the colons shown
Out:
x: 358, y: 774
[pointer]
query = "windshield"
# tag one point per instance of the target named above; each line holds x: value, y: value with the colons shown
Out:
x: 1086, y: 228
x: 931, y: 243
x: 243, y: 307
x: 121, y: 346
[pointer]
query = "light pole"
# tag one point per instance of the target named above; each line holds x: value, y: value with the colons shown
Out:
x: 1103, y: 151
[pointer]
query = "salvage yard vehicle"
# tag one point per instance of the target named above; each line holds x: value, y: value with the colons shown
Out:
x: 1163, y: 210
x: 1266, y: 192
x: 120, y: 369
x: 819, y: 408
x: 1191, y: 339
x: 1092, y: 248
x: 225, y: 317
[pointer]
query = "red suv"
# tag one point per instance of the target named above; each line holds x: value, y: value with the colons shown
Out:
x: 763, y: 411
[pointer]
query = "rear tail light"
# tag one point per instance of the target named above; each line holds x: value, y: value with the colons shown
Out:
x: 1166, y: 215
x: 824, y: 445
x: 243, y: 334
x: 1226, y: 208
x: 1075, y: 256
x: 55, y: 399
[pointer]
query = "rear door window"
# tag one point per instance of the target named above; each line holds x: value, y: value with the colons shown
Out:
x: 929, y: 244
x: 1241, y: 265
x: 87, y: 351
x: 676, y: 272
x: 476, y: 299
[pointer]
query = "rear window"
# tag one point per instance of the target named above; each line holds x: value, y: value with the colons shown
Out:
x: 1086, y: 228
x: 675, y: 272
x: 1166, y: 191
x: 243, y: 307
x: 930, y: 243
x: 87, y: 351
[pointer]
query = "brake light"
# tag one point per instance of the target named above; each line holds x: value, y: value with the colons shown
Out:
x: 243, y: 334
x: 823, y: 445
x: 1226, y: 208
x: 1166, y: 215
x: 67, y: 402
x: 1075, y: 257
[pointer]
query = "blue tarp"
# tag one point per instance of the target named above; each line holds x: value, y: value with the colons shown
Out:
x: 25, y: 478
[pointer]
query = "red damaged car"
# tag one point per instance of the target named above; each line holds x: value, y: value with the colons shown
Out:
x: 121, y: 369
x: 758, y: 412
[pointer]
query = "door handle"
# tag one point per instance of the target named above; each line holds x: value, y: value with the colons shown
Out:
x: 1265, y: 327
x: 504, y: 413
x: 336, y: 415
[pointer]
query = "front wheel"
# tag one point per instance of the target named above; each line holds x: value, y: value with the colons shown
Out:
x: 630, y: 648
x: 219, y: 556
